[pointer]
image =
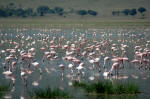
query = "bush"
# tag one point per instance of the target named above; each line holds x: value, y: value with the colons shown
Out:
x: 29, y: 12
x: 82, y: 12
x: 141, y: 9
x: 91, y: 12
x: 59, y: 10
x: 51, y: 11
x: 126, y: 11
x: 3, y: 89
x: 115, y: 13
x: 108, y: 88
x: 3, y: 13
x: 20, y: 12
x: 133, y: 12
x: 49, y: 93
x: 42, y: 10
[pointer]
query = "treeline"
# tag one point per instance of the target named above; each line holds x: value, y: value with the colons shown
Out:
x: 12, y: 11
x: 131, y: 12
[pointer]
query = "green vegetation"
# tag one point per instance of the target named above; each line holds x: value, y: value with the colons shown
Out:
x: 79, y: 84
x: 131, y: 12
x: 108, y: 87
x: 72, y: 23
x: 49, y: 93
x: 91, y: 12
x: 13, y: 11
x: 3, y: 89
x: 82, y: 12
x: 142, y: 10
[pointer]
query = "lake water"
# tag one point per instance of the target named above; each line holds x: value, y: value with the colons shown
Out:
x: 53, y: 40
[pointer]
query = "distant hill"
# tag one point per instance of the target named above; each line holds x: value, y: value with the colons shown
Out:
x: 103, y: 7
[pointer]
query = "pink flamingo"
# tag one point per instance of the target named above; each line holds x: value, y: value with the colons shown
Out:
x: 106, y: 59
x: 115, y: 67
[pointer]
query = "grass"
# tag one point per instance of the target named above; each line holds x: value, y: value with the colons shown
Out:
x: 70, y: 23
x: 49, y: 93
x: 3, y: 89
x: 107, y: 87
x: 79, y: 84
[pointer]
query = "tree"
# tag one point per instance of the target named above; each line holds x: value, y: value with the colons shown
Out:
x: 91, y: 12
x: 133, y: 12
x: 42, y: 10
x: 29, y: 12
x: 20, y: 12
x: 10, y: 12
x: 2, y: 13
x: 142, y: 10
x: 126, y: 12
x: 51, y: 11
x: 59, y: 10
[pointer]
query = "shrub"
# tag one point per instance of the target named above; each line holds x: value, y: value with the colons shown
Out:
x: 107, y: 87
x: 3, y: 89
x: 91, y: 12
x: 48, y: 93
x: 82, y: 12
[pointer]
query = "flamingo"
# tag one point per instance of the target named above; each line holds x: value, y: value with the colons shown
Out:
x: 62, y: 67
x: 115, y: 67
x: 80, y: 67
x: 35, y: 64
x: 14, y: 64
x: 24, y: 77
x: 71, y: 67
x: 106, y: 59
x: 8, y: 73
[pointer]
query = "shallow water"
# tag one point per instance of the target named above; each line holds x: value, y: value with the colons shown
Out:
x: 51, y: 73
